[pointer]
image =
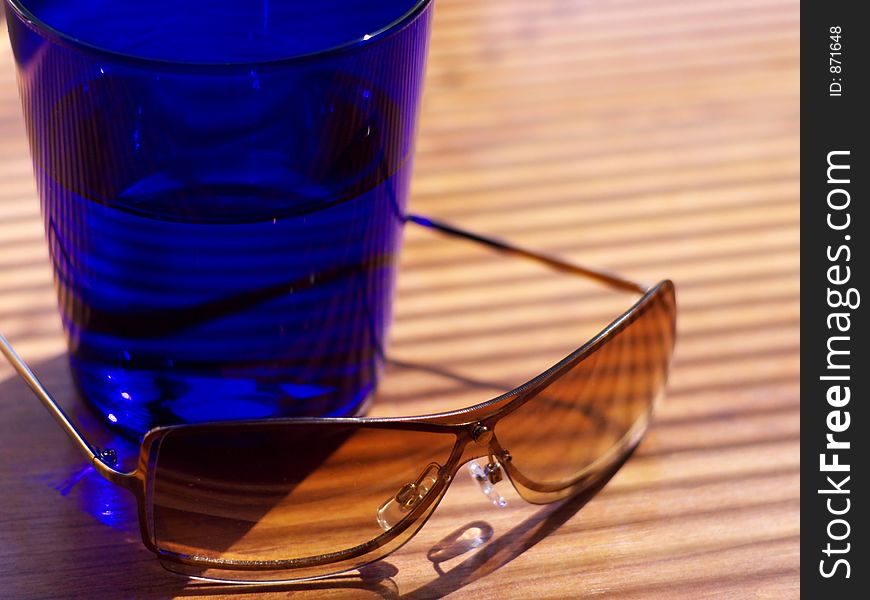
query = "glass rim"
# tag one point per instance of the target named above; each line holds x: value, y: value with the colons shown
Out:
x: 57, y: 36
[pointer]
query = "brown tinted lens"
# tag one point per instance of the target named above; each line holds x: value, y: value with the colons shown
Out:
x: 285, y: 492
x: 596, y: 409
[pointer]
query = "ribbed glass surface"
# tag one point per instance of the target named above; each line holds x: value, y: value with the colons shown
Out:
x: 223, y: 236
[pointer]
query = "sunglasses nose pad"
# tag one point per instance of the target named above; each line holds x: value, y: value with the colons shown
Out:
x: 409, y: 495
x: 487, y: 477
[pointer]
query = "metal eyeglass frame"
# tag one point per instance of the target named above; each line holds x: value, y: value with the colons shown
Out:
x: 472, y: 426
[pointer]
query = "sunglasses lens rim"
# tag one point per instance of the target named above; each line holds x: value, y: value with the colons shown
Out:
x: 311, y: 567
x: 661, y: 297
x: 453, y: 423
x: 265, y: 574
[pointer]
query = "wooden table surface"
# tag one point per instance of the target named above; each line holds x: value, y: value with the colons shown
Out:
x: 657, y: 138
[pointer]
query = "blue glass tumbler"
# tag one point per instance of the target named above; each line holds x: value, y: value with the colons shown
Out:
x: 223, y: 186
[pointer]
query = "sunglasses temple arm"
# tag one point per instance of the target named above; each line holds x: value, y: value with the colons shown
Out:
x: 604, y: 277
x: 102, y: 459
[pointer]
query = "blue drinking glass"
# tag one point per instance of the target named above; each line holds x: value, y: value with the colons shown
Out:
x: 223, y: 185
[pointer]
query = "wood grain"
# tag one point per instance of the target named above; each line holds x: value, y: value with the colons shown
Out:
x: 656, y: 138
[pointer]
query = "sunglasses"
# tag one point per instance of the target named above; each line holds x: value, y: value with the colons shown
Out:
x: 302, y: 498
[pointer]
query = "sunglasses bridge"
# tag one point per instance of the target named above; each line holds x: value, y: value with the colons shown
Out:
x: 395, y: 508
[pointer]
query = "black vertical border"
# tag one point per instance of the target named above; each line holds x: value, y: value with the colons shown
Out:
x: 833, y: 123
